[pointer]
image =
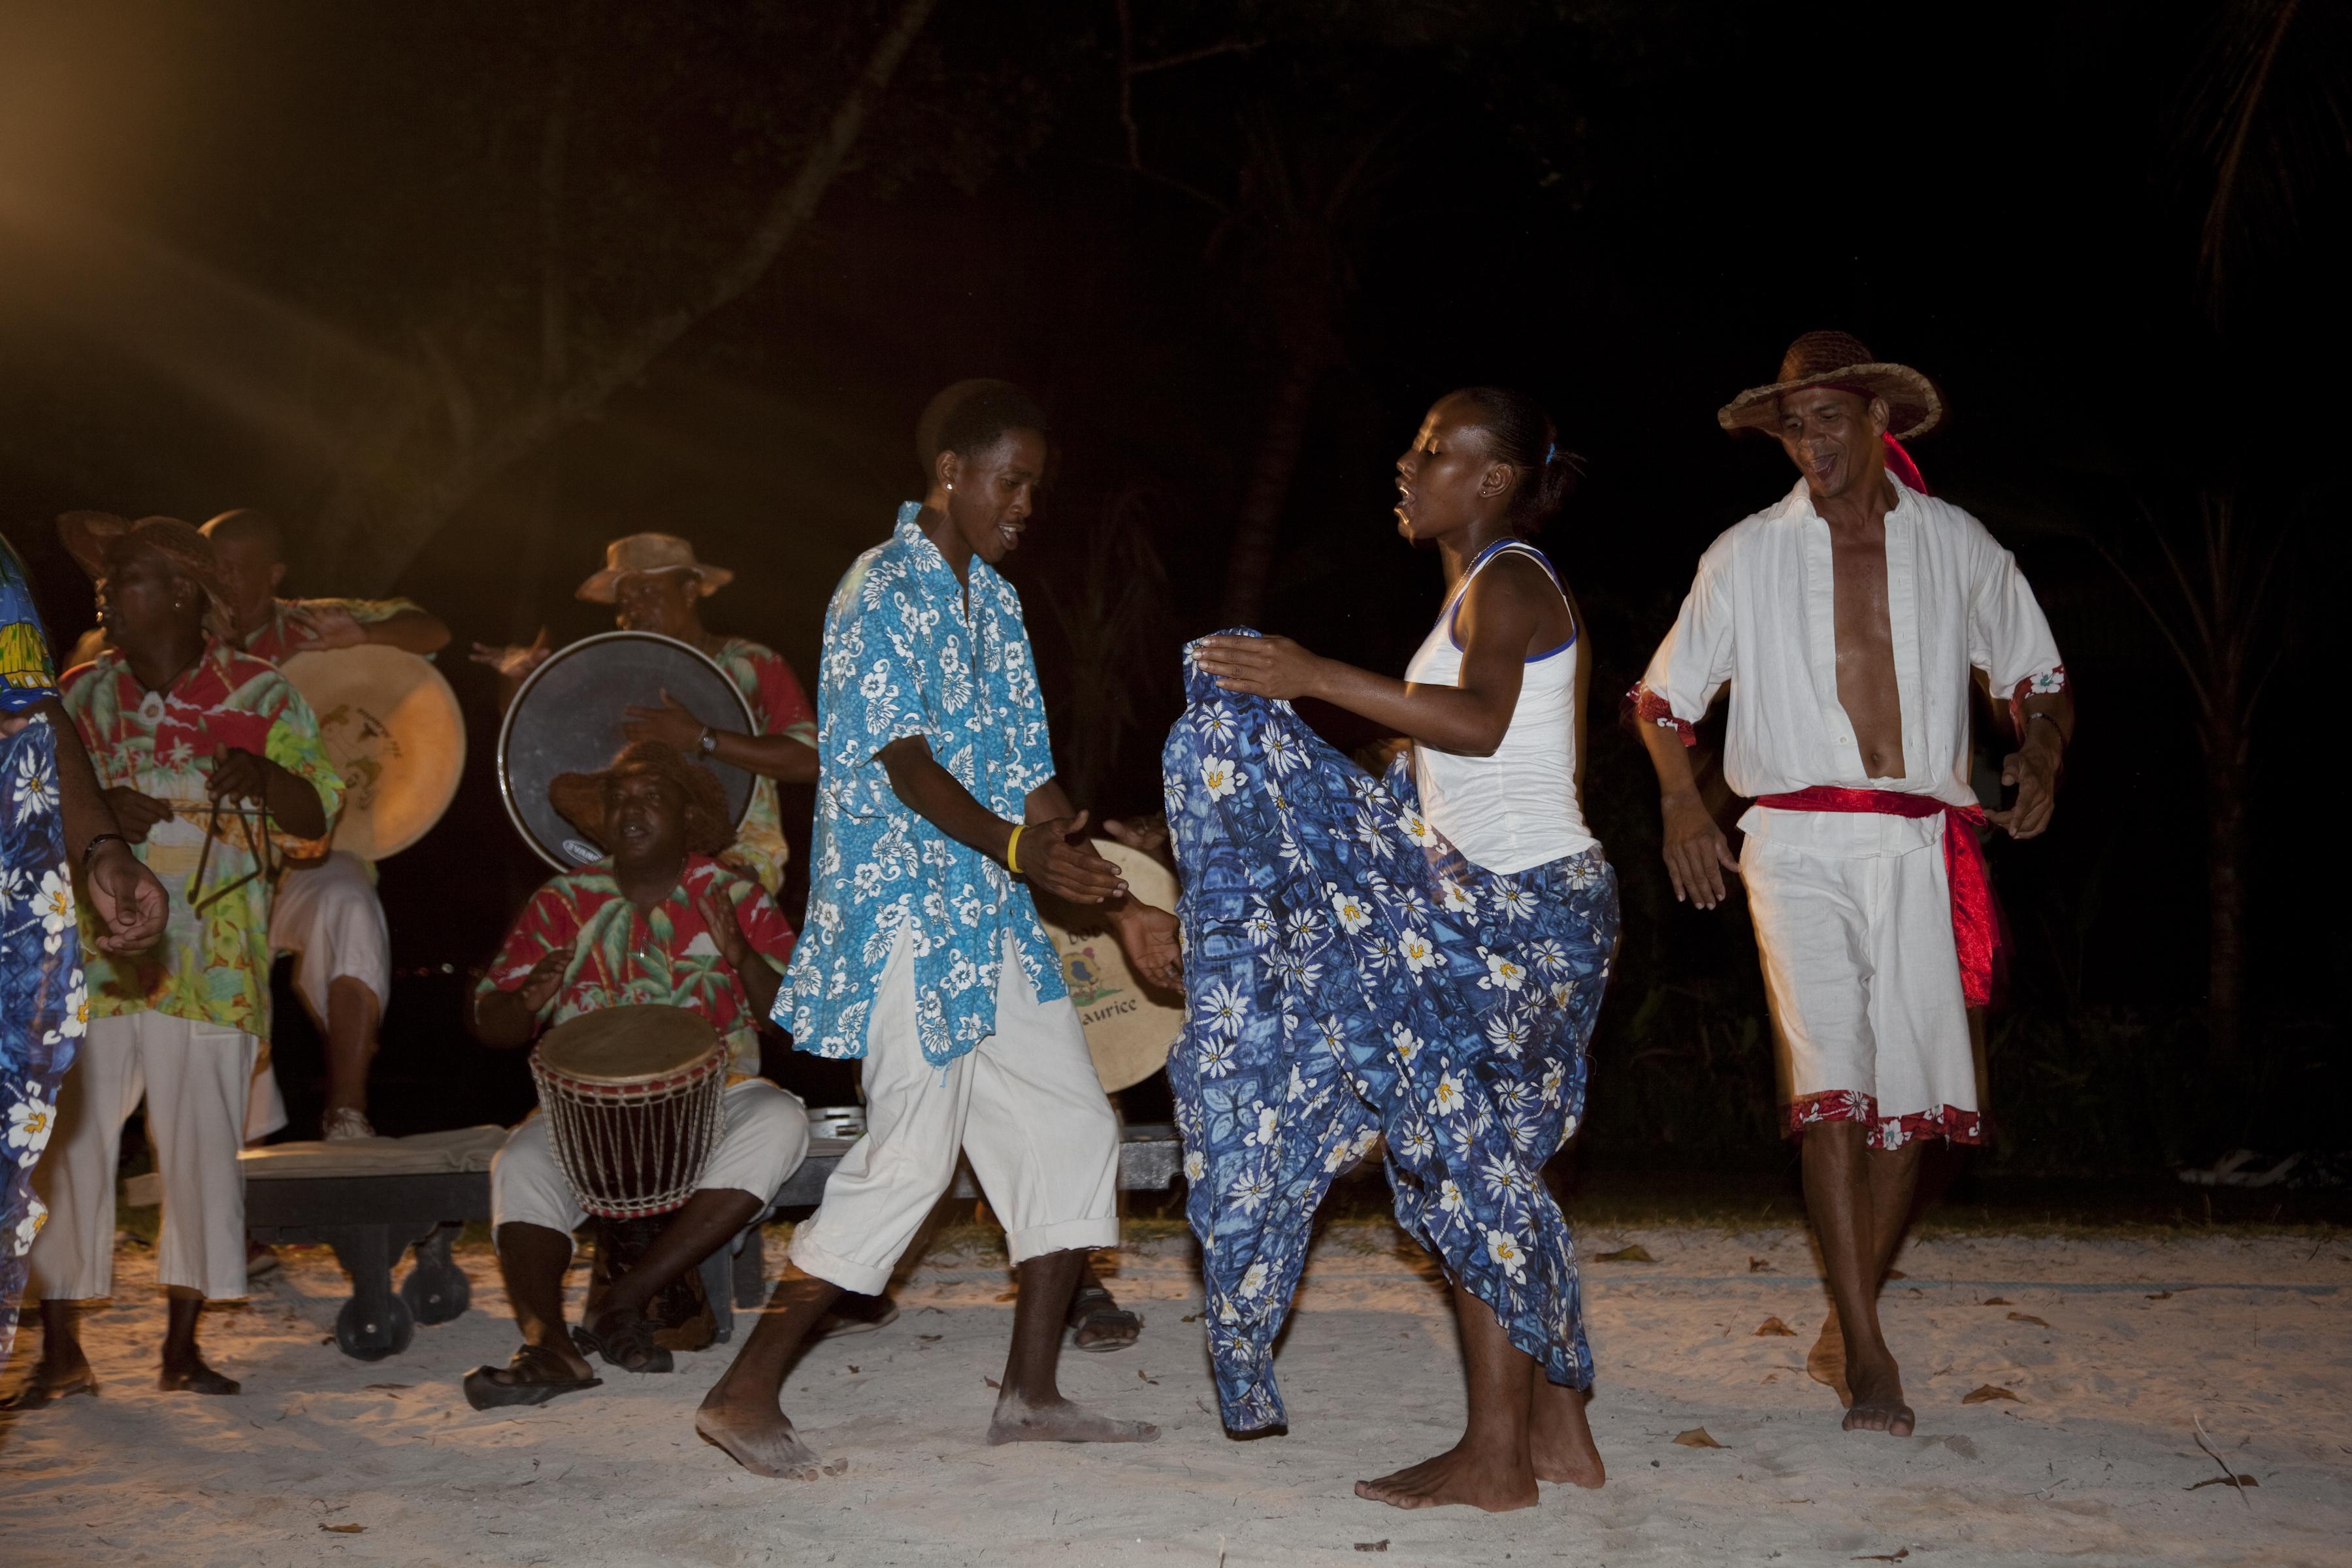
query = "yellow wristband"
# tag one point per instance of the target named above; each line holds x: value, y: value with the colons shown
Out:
x: 1013, y: 851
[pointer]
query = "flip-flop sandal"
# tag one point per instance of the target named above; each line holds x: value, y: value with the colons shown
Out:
x: 1093, y: 1307
x: 860, y: 1319
x: 203, y: 1380
x: 536, y: 1375
x: 630, y: 1347
x: 37, y: 1394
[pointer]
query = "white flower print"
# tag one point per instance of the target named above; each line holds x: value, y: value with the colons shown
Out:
x: 36, y: 794
x: 1249, y: 1190
x: 55, y: 902
x: 1195, y: 1167
x: 1269, y: 1122
x: 1415, y: 1142
x: 1216, y: 1053
x: 1331, y: 1034
x: 1502, y: 1178
x: 1223, y: 1008
x: 1255, y: 1281
x: 1502, y: 971
x: 1507, y: 1033
x: 1582, y: 873
x: 1516, y: 902
x: 30, y: 1122
x: 1555, y: 1080
x: 1216, y: 725
x: 1418, y: 952
x: 1506, y: 1251
x: 1172, y: 796
x: 1460, y: 900
x: 30, y: 1227
x: 1338, y: 1154
x: 1449, y: 1196
x: 1447, y: 1098
x: 1280, y: 751
x: 1406, y: 1044
x: 2044, y: 682
x: 1302, y: 927
x: 1353, y: 913
x: 1258, y: 924
x: 1549, y: 955
x: 1217, y: 774
x: 76, y: 1023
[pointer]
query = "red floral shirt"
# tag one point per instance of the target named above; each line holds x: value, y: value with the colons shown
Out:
x: 779, y: 707
x: 623, y: 958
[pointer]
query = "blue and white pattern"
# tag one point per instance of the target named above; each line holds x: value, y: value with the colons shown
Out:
x: 901, y: 658
x: 1352, y: 977
x: 44, y: 1006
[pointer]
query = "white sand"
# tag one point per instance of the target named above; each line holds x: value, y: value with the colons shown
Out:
x: 2093, y: 1462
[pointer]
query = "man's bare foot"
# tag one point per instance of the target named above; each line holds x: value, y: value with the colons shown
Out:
x: 763, y: 1443
x: 1559, y: 1439
x: 1494, y: 1482
x: 1826, y: 1363
x: 1878, y: 1401
x: 1018, y: 1421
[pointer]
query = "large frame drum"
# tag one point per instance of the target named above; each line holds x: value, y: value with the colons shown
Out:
x: 566, y: 718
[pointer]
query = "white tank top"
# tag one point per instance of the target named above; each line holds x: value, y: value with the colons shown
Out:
x: 1517, y: 809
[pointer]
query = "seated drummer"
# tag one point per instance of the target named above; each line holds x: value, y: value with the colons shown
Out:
x: 660, y: 921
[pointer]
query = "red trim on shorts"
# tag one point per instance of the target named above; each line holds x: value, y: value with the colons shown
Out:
x: 1947, y: 1122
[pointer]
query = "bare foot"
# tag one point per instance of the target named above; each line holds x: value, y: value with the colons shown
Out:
x: 1496, y: 1483
x: 1559, y: 1439
x: 1018, y: 1421
x: 1878, y: 1401
x: 1825, y: 1364
x: 763, y: 1443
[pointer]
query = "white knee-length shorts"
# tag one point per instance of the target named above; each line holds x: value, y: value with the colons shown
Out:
x: 1024, y: 1104
x: 1854, y: 919
x: 765, y: 1139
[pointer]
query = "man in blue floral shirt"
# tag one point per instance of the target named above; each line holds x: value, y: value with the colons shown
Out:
x: 922, y: 956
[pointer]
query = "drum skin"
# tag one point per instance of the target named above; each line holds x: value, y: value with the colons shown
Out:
x: 1129, y: 1026
x: 632, y: 1101
x: 391, y: 727
x: 567, y: 716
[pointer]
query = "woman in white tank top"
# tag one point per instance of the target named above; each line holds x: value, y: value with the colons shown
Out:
x: 1327, y: 917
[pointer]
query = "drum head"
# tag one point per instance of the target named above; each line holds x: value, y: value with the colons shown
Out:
x: 618, y: 1045
x: 392, y: 728
x: 567, y: 719
x: 1129, y: 1028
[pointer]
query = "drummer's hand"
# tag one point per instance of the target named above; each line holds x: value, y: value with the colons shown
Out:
x: 324, y: 625
x: 670, y: 724
x: 1056, y: 856
x: 512, y: 663
x: 1155, y: 949
x: 135, y: 812
x: 546, y: 977
x: 726, y: 931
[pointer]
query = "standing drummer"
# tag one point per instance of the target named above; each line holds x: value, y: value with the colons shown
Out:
x: 327, y: 913
x: 924, y: 956
x: 655, y: 584
x: 659, y: 919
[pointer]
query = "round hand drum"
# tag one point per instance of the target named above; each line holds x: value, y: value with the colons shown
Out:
x: 1129, y: 1028
x: 392, y: 728
x: 567, y: 719
x: 632, y: 1099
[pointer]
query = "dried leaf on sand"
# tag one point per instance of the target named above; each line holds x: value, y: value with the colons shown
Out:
x: 360, y: 1529
x: 1379, y: 1545
x: 2029, y: 1318
x: 1773, y: 1328
x: 1636, y: 1253
x: 1996, y: 1300
x: 2240, y: 1481
x: 1696, y: 1437
x: 1984, y: 1393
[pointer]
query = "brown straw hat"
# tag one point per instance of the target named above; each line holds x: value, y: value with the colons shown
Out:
x: 581, y: 796
x: 90, y: 535
x: 1914, y: 406
x: 648, y: 552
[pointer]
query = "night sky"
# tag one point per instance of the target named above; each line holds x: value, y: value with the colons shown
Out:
x: 233, y: 232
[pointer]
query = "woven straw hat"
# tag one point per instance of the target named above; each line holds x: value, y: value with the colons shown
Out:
x: 648, y: 552
x: 581, y: 796
x: 88, y: 535
x: 1914, y: 406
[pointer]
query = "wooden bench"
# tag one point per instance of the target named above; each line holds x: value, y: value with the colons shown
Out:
x: 373, y: 1201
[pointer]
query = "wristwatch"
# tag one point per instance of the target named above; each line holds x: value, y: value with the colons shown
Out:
x: 709, y: 744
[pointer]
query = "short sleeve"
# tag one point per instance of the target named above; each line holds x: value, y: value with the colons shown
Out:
x: 27, y: 675
x: 1692, y: 666
x: 546, y: 923
x: 293, y: 744
x: 785, y: 704
x: 2009, y: 636
x: 764, y: 926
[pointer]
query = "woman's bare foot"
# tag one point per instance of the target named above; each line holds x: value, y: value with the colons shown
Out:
x: 762, y: 1442
x: 1496, y: 1483
x: 1878, y: 1403
x: 1559, y: 1439
x: 1059, y: 1421
x: 1826, y: 1363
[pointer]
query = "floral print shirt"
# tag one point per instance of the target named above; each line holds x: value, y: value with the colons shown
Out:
x: 779, y: 707
x: 212, y: 964
x: 902, y: 657
x: 624, y: 958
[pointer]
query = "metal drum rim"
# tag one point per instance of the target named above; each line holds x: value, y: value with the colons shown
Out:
x: 506, y: 726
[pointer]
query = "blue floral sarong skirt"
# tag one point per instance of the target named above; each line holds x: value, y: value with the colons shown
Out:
x: 1353, y: 979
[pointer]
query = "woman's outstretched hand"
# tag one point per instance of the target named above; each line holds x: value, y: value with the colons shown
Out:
x: 1260, y: 667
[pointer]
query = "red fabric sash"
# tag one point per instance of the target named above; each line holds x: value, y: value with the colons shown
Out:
x: 1975, y: 920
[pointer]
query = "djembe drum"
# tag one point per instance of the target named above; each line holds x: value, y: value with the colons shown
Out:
x: 632, y: 1101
